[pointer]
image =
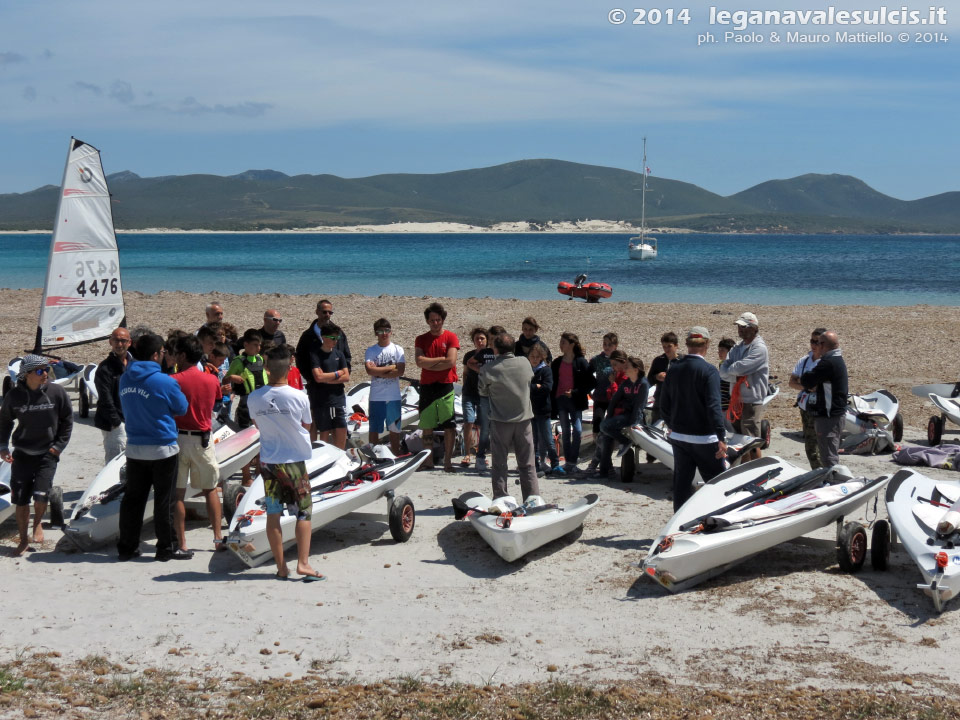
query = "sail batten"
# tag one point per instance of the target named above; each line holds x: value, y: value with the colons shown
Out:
x: 82, y: 296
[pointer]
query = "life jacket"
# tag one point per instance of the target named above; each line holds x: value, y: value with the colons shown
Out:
x: 253, y: 366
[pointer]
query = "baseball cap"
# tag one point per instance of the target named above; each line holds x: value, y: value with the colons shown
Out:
x: 698, y: 332
x: 748, y: 319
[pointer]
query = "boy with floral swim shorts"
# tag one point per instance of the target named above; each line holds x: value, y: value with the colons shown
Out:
x: 282, y: 415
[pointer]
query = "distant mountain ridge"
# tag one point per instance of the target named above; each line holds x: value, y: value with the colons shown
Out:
x: 526, y: 190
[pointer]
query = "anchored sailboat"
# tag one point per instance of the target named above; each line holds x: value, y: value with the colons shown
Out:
x: 643, y: 246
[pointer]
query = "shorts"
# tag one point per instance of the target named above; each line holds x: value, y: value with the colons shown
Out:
x: 329, y: 418
x: 750, y: 419
x: 279, y: 481
x: 197, y: 462
x: 243, y: 413
x: 436, y: 407
x: 471, y: 404
x: 385, y: 413
x: 31, y: 476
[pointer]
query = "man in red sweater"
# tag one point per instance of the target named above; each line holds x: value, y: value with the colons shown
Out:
x: 198, y: 458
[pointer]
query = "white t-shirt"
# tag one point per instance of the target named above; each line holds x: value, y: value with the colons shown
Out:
x: 279, y: 413
x: 384, y: 388
x: 805, y: 364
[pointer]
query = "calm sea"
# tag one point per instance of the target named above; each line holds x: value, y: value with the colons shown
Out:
x: 701, y: 268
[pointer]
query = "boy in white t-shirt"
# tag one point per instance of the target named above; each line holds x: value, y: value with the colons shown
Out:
x: 282, y: 415
x: 385, y: 363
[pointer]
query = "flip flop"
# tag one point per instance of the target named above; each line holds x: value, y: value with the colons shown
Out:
x: 219, y: 545
x: 281, y: 577
x: 314, y: 578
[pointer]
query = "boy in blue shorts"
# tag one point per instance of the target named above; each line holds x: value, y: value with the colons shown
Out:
x: 385, y: 363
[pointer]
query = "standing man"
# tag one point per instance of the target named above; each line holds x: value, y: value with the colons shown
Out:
x: 806, y: 400
x: 150, y: 401
x: 271, y: 332
x: 44, y: 420
x: 506, y: 381
x: 747, y: 366
x: 214, y: 313
x: 198, y: 458
x: 829, y: 380
x: 109, y: 415
x: 385, y: 363
x: 282, y: 415
x: 690, y: 405
x: 436, y: 356
x: 328, y: 373
x: 311, y: 337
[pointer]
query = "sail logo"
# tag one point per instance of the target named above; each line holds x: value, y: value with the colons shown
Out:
x: 85, y: 174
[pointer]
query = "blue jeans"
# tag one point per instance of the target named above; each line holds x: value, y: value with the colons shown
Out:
x: 570, y: 429
x: 610, y: 435
x: 476, y: 409
x: 543, y: 440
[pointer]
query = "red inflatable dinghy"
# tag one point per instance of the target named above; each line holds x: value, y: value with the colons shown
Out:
x: 591, y: 292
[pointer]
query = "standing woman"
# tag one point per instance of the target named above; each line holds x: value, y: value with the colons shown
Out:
x: 572, y: 382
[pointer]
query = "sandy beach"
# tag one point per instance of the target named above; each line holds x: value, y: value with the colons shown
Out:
x: 443, y: 607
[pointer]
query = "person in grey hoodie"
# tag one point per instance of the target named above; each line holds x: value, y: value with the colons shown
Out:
x: 44, y: 420
x: 506, y: 382
x: 150, y: 401
x: 747, y: 368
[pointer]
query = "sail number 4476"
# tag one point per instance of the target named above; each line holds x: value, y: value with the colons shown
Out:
x: 105, y: 286
x: 98, y: 284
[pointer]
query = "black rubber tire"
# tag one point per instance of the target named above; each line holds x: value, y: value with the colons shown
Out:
x: 6, y: 384
x: 852, y: 547
x: 232, y: 495
x: 934, y: 430
x: 765, y: 433
x: 880, y: 545
x: 628, y: 465
x: 403, y: 518
x: 897, y: 429
x: 55, y: 501
x: 84, y: 402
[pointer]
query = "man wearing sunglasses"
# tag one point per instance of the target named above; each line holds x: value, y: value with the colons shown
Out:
x: 271, y: 332
x: 806, y: 399
x: 311, y: 343
x: 829, y: 380
x: 109, y: 415
x: 44, y: 420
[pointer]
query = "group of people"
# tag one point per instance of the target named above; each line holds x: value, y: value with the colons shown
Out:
x: 158, y: 400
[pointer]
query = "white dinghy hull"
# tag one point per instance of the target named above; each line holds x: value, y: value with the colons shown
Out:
x: 358, y: 413
x: 680, y: 558
x: 526, y: 532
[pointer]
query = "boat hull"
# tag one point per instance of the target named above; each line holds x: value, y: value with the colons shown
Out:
x: 358, y: 409
x: 690, y: 558
x: 247, y: 536
x: 950, y: 407
x: 916, y: 529
x: 529, y: 532
x: 653, y: 441
x: 591, y: 292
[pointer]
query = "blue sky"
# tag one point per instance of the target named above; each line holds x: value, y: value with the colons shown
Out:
x: 355, y: 89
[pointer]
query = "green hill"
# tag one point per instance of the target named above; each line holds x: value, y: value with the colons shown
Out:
x: 534, y: 190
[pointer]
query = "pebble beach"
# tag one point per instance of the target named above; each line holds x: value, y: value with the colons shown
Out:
x: 443, y: 608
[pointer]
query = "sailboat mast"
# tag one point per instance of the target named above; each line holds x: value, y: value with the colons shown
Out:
x: 643, y: 195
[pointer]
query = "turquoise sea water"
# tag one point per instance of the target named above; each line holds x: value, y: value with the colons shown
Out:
x: 701, y: 268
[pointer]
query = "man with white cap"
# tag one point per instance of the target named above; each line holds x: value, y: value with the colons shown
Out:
x: 690, y: 406
x: 746, y: 368
x: 43, y: 412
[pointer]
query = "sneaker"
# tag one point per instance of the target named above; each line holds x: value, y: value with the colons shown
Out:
x: 610, y: 474
x: 571, y: 469
x: 557, y: 471
x: 592, y: 467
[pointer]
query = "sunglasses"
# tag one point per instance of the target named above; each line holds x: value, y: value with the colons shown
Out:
x: 331, y: 337
x: 383, y: 332
x: 326, y: 312
x: 276, y: 320
x: 42, y: 371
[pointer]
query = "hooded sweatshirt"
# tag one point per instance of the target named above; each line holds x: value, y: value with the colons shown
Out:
x: 150, y: 401
x: 44, y: 418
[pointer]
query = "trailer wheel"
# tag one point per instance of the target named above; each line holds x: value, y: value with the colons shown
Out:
x: 232, y: 495
x: 852, y: 547
x: 898, y: 428
x: 403, y: 518
x: 84, y: 402
x: 765, y: 433
x: 628, y: 465
x: 934, y: 430
x: 880, y: 545
x: 56, y: 506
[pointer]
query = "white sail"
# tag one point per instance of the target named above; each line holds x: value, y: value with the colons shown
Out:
x: 82, y: 296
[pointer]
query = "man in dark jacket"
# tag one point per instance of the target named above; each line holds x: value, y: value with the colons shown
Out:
x: 829, y: 380
x: 109, y: 415
x: 690, y: 406
x: 44, y: 419
x: 271, y: 332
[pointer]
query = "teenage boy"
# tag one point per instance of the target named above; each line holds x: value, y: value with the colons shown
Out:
x: 44, y: 420
x: 246, y: 374
x: 329, y: 372
x: 436, y: 356
x: 603, y: 372
x: 385, y: 363
x: 282, y: 415
x: 658, y: 369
